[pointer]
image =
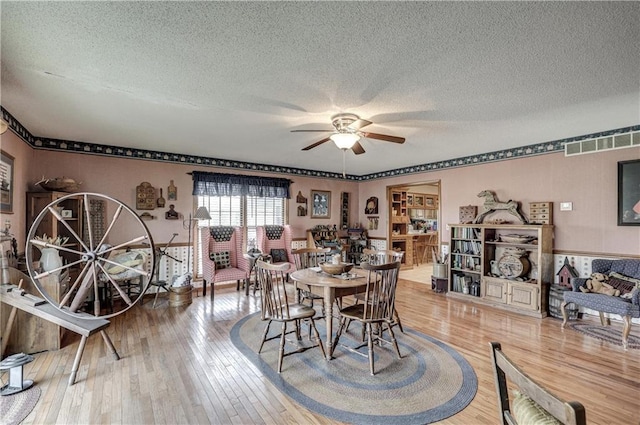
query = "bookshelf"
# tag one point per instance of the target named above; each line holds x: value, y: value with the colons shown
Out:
x: 506, y: 266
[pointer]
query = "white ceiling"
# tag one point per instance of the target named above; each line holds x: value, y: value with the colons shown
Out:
x: 231, y: 80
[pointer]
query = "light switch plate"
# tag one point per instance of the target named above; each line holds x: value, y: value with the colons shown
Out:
x: 566, y: 206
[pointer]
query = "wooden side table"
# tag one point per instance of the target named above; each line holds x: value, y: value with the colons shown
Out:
x: 252, y: 257
x: 439, y: 284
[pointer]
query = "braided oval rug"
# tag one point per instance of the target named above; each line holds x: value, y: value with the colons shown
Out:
x: 429, y: 383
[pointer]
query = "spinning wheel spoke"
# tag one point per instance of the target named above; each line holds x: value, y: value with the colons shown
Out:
x: 87, y: 213
x: 102, y: 255
x: 72, y: 232
x: 72, y: 290
x: 113, y: 222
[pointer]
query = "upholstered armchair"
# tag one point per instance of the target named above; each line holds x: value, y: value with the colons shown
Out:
x: 222, y: 256
x: 276, y: 241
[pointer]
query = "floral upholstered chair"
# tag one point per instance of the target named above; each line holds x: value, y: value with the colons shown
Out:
x: 222, y: 256
x: 276, y: 242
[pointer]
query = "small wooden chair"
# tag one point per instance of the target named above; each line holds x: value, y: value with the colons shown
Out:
x: 378, y: 308
x: 533, y: 401
x: 276, y: 307
x: 305, y: 258
x: 383, y: 256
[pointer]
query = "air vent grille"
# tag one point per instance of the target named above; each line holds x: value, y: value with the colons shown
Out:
x: 617, y: 141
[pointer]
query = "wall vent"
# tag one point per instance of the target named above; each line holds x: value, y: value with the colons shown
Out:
x: 616, y: 141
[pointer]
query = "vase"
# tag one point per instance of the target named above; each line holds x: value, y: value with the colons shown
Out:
x: 50, y: 260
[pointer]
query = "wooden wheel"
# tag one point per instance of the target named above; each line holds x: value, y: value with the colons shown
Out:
x: 106, y: 258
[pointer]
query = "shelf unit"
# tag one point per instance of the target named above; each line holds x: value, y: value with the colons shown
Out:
x: 356, y: 241
x: 423, y: 215
x: 37, y: 201
x: 399, y: 225
x: 474, y: 275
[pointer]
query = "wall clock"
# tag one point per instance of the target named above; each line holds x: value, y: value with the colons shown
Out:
x: 514, y: 264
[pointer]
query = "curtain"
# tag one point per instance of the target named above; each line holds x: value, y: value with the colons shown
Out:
x: 219, y: 184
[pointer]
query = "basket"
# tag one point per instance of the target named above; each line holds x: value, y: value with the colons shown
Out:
x: 180, y: 296
x: 59, y: 184
x: 516, y: 238
x: 340, y: 268
x: 556, y: 299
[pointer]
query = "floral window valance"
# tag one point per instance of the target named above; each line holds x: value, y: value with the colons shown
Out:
x: 220, y: 184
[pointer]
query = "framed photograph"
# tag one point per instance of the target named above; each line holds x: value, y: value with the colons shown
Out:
x: 320, y: 204
x: 372, y: 206
x: 629, y: 193
x: 6, y: 183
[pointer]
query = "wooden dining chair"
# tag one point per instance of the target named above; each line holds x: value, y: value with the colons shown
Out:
x: 305, y: 258
x: 383, y: 256
x: 275, y: 306
x: 377, y: 309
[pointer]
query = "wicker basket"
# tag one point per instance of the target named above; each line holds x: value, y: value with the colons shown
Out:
x: 59, y: 184
x: 556, y: 299
x: 180, y: 296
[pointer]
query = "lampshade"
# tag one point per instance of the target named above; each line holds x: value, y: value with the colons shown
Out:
x: 3, y: 126
x: 202, y: 214
x: 345, y: 140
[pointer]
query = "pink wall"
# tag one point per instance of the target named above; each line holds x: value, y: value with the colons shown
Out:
x: 589, y: 181
x: 23, y: 164
x: 118, y: 178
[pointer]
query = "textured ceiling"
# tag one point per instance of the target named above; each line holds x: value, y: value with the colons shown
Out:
x: 231, y: 80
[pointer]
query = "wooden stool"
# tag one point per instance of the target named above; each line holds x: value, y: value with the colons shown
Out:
x: 416, y: 257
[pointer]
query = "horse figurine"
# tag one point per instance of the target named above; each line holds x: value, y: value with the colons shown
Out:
x: 491, y: 204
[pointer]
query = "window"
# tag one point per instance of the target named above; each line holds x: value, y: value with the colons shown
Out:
x: 246, y: 211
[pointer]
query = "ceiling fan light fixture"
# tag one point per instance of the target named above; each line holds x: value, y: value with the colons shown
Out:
x: 345, y: 140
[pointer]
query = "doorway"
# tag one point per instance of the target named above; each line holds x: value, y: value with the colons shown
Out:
x: 414, y: 226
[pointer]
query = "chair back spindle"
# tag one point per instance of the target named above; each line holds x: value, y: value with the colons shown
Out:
x: 274, y: 299
x: 380, y: 294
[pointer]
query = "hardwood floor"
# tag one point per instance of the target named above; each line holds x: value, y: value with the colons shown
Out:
x: 178, y: 365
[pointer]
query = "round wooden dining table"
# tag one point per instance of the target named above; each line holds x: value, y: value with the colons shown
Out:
x: 330, y: 288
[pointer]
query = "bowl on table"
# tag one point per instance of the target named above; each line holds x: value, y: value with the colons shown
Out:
x: 339, y: 268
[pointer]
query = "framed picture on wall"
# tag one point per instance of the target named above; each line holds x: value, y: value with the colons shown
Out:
x: 372, y: 206
x: 629, y: 193
x: 6, y: 183
x: 320, y: 204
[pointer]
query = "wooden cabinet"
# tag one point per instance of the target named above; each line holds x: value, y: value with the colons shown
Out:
x: 72, y: 210
x: 506, y: 266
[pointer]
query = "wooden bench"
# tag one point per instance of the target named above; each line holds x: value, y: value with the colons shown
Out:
x: 569, y: 413
x: 17, y: 298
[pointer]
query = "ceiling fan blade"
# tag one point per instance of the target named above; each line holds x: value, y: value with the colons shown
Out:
x: 358, y: 124
x: 384, y: 137
x: 312, y: 131
x: 357, y: 148
x: 316, y: 144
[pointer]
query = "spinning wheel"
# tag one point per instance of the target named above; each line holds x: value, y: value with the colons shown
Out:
x: 162, y: 252
x: 105, y: 262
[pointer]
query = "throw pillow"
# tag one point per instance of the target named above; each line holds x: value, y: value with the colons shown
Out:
x: 279, y: 255
x: 222, y: 259
x: 624, y: 286
x: 627, y: 278
x: 527, y: 411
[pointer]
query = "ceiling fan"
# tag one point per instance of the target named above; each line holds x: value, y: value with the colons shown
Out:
x: 347, y: 133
